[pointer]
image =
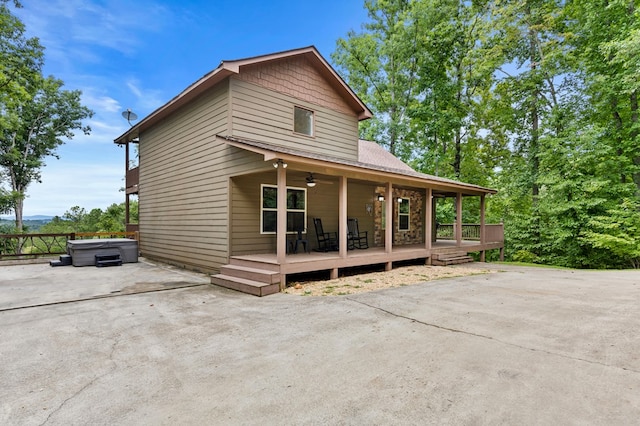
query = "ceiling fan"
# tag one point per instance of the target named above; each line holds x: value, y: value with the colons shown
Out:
x: 311, y: 181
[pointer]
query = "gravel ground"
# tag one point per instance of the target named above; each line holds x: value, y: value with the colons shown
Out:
x: 363, y: 283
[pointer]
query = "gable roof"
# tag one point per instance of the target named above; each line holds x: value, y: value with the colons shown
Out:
x: 231, y: 67
x: 372, y: 153
x: 384, y: 164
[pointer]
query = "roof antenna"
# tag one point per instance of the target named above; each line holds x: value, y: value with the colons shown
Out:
x: 129, y: 115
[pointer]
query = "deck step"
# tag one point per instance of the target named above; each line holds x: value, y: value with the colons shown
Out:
x: 449, y: 255
x: 108, y: 260
x: 245, y: 285
x: 451, y: 260
x: 255, y: 264
x: 254, y: 274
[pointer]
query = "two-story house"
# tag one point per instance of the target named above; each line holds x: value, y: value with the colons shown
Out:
x: 236, y: 168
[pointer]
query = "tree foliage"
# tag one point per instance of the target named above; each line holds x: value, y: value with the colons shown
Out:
x: 537, y: 98
x: 36, y: 114
x: 77, y: 219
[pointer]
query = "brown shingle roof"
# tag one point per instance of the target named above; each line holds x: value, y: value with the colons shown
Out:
x: 382, y: 161
x: 372, y: 153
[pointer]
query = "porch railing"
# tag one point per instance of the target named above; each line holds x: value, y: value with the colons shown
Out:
x: 132, y: 179
x: 19, y: 246
x: 494, y: 233
x: 471, y: 231
x: 446, y: 231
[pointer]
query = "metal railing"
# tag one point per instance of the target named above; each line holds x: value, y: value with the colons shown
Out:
x: 20, y: 246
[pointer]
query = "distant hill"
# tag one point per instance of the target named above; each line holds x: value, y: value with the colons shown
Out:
x: 34, y: 217
x: 31, y: 223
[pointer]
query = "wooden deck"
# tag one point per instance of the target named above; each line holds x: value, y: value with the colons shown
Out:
x: 318, y: 261
x: 262, y: 274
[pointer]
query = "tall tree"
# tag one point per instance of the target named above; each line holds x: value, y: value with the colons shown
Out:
x: 34, y: 129
x: 20, y: 60
x: 606, y: 38
x: 36, y: 114
x: 457, y: 60
x: 380, y: 64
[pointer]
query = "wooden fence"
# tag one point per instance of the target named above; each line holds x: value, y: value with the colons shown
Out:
x: 20, y: 246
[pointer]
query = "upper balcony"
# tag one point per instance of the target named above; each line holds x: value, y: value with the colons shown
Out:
x: 132, y: 180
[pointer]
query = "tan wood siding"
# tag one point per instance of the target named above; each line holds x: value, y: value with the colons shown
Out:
x: 264, y: 115
x: 359, y: 196
x: 322, y: 202
x: 184, y: 184
x: 296, y: 77
x: 245, y: 216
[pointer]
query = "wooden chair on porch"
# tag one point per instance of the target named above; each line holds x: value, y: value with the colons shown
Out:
x: 355, y: 238
x: 327, y: 241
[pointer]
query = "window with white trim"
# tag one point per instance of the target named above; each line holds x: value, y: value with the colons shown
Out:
x: 296, y: 209
x: 302, y: 121
x: 403, y: 214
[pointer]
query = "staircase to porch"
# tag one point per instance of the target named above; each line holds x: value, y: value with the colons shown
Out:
x: 450, y: 258
x: 259, y: 279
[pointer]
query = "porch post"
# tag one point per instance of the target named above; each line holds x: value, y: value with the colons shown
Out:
x: 389, y: 224
x: 126, y: 196
x: 342, y: 223
x: 281, y: 227
x: 458, y: 219
x: 428, y: 222
x: 342, y: 216
x: 428, y: 219
x: 482, y: 227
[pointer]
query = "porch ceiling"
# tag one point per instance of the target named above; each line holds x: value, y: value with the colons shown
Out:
x: 365, y: 172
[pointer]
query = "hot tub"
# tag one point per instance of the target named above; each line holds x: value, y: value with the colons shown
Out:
x: 83, y: 252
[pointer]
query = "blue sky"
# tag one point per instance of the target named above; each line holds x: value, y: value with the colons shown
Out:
x: 139, y: 54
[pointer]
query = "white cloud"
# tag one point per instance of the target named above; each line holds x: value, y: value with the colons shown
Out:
x: 100, y: 103
x: 114, y: 24
x: 148, y: 100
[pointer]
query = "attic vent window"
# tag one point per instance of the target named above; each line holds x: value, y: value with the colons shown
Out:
x: 303, y: 121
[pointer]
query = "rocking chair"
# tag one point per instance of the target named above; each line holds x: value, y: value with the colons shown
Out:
x: 327, y: 241
x: 355, y: 238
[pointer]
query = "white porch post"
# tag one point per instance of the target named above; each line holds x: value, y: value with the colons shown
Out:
x: 482, y: 227
x: 458, y: 219
x: 281, y: 230
x: 389, y: 224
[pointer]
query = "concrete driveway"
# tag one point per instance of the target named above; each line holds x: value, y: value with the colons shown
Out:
x: 525, y: 346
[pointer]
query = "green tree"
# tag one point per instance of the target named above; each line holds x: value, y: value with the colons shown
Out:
x: 33, y: 132
x: 36, y: 114
x: 606, y: 41
x: 380, y: 65
x: 75, y: 217
x: 21, y: 58
x: 113, y: 218
x: 456, y: 66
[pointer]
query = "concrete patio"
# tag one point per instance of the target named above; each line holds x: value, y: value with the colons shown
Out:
x: 145, y: 344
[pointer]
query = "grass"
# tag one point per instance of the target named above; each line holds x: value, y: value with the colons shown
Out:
x: 532, y: 265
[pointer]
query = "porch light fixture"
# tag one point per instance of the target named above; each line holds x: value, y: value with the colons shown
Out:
x: 310, y: 181
x: 380, y: 197
x: 280, y: 163
x: 399, y: 199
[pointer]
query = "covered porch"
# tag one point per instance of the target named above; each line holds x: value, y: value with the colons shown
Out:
x: 396, y: 209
